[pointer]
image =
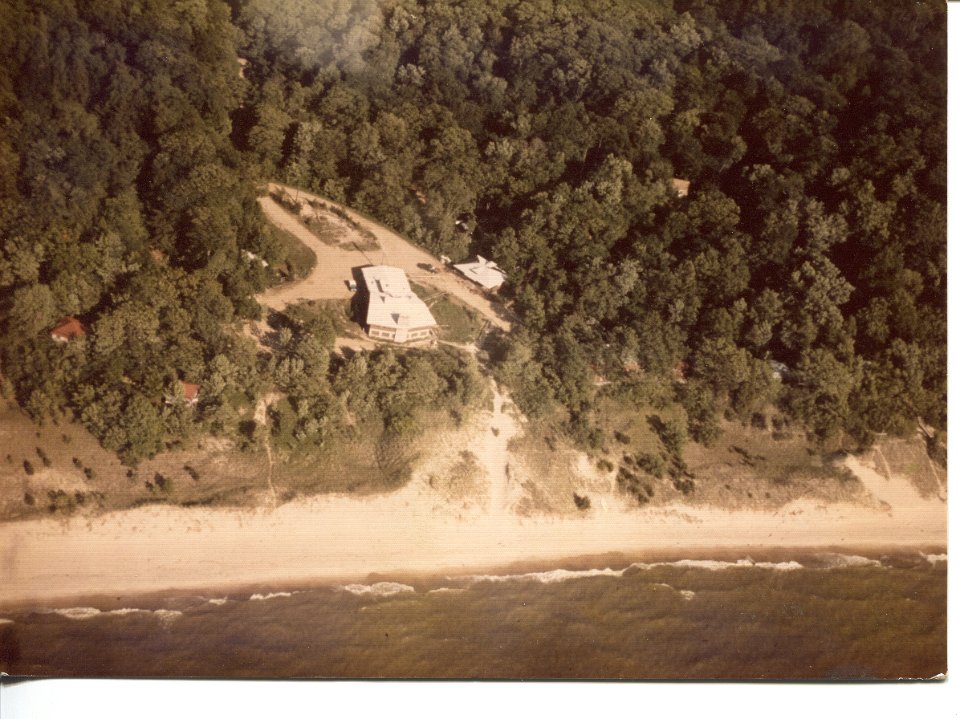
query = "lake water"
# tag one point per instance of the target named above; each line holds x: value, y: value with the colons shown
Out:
x: 793, y: 615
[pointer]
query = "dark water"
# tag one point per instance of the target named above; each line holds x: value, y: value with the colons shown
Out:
x: 805, y: 616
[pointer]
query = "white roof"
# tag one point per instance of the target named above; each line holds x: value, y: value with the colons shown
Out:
x: 484, y: 272
x: 392, y: 302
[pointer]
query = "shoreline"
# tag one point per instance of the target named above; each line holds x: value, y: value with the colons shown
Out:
x: 323, y: 540
x: 617, y: 561
x: 418, y: 530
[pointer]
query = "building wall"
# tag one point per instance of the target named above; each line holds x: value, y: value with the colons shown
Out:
x: 390, y: 333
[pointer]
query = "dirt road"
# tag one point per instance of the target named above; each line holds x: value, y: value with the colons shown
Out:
x: 334, y: 264
x: 328, y: 280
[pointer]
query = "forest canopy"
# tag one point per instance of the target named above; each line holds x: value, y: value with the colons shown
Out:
x: 813, y: 135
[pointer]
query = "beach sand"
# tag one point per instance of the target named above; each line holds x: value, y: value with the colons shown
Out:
x: 416, y: 530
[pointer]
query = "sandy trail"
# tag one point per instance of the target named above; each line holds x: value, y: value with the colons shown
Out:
x: 341, y: 537
x: 495, y: 455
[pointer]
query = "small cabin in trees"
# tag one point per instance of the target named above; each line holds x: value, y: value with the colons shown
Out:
x: 191, y: 392
x: 680, y: 187
x: 483, y: 272
x: 67, y: 329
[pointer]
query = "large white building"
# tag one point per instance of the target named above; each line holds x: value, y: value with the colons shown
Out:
x: 484, y: 272
x: 394, y: 312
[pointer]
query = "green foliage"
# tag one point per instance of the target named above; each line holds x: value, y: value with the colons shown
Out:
x: 672, y: 432
x: 814, y: 232
x: 815, y: 199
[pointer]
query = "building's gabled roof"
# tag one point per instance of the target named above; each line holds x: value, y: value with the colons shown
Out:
x: 681, y: 187
x: 68, y: 328
x: 190, y: 391
x: 392, y: 302
x: 484, y: 272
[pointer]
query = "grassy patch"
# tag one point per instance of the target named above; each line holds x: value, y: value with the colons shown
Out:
x: 336, y: 311
x: 457, y: 323
x: 763, y: 465
x: 300, y: 259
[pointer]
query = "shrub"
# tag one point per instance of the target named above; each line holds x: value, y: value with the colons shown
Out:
x: 604, y: 465
x: 673, y: 433
x: 194, y: 474
x: 583, y: 503
x: 621, y: 437
x: 651, y: 464
x: 163, y: 483
x: 89, y: 473
x: 28, y: 467
x: 43, y: 457
x: 685, y: 485
x: 28, y: 499
x: 77, y: 463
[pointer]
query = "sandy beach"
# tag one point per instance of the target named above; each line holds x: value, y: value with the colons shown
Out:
x: 417, y: 530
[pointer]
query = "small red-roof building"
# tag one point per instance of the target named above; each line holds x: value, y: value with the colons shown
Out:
x: 67, y: 329
x: 191, y: 392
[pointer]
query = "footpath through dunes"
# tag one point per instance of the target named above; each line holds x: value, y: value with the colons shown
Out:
x: 335, y: 263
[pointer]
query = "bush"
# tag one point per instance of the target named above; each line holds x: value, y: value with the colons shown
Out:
x: 604, y: 465
x: 652, y: 464
x: 28, y: 499
x: 683, y: 485
x: 583, y: 503
x: 621, y: 437
x: 673, y: 433
x: 77, y: 463
x: 194, y: 474
x: 43, y: 457
x: 28, y: 467
x: 89, y: 473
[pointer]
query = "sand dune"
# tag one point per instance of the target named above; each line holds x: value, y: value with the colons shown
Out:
x: 341, y: 537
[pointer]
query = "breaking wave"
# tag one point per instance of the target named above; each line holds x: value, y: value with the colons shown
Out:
x: 271, y: 595
x: 447, y: 590
x: 838, y: 561
x: 379, y: 589
x: 685, y: 593
x: 167, y: 615
x: 550, y: 577
x: 5, y: 621
x: 934, y: 558
x: 79, y: 613
x: 563, y: 575
x: 715, y: 565
x: 218, y: 602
